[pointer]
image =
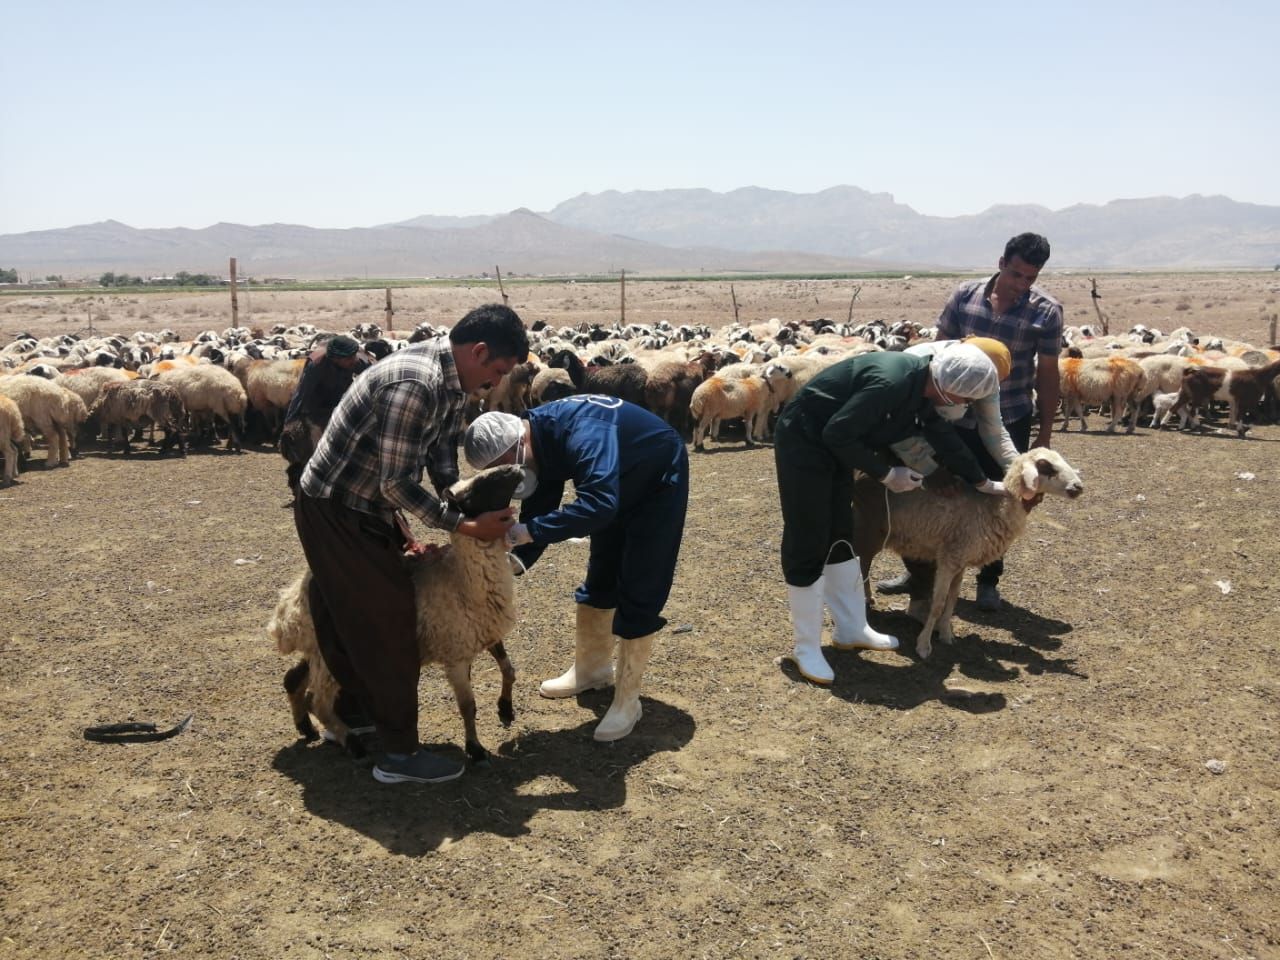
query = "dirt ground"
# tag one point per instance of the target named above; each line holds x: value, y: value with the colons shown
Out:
x: 1037, y: 789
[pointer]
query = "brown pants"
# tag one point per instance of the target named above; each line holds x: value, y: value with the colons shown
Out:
x: 362, y: 602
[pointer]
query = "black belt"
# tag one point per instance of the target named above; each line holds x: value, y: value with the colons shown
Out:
x: 133, y: 732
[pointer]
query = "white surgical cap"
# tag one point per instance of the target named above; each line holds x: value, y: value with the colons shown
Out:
x: 490, y: 436
x: 962, y: 370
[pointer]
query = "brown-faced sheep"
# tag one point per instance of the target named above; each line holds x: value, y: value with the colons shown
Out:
x: 966, y: 530
x: 466, y: 605
x: 1243, y: 389
x: 11, y: 433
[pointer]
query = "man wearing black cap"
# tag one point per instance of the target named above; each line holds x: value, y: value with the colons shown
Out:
x: 325, y: 378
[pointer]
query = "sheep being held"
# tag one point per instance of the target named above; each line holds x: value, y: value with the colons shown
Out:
x: 969, y: 529
x: 466, y: 604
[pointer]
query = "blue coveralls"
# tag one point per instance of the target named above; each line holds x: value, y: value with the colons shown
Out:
x: 630, y: 473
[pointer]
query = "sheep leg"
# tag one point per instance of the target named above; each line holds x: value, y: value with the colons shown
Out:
x: 506, y: 710
x: 941, y: 585
x: 295, y: 688
x: 953, y: 591
x: 1117, y: 407
x: 459, y: 675
x: 322, y: 700
x: 59, y: 441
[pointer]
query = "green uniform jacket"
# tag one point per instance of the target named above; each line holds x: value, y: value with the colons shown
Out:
x: 859, y: 406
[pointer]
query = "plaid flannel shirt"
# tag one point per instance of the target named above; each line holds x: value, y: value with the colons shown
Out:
x: 402, y: 414
x: 1031, y: 327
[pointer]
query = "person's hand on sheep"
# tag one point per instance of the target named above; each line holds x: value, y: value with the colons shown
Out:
x: 993, y: 487
x: 901, y: 479
x: 517, y: 535
x: 488, y: 526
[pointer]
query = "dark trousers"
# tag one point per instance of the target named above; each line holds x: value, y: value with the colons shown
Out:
x: 633, y: 560
x: 1020, y: 434
x: 817, y: 507
x: 362, y: 602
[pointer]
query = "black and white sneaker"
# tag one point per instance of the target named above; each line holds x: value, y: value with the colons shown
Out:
x: 420, y: 767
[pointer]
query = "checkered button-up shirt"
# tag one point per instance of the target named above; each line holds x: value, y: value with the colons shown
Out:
x: 402, y: 414
x: 1032, y: 327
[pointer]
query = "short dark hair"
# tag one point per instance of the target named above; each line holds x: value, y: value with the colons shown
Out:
x: 498, y: 327
x: 1031, y: 247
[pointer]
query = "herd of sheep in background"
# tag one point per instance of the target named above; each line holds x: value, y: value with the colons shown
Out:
x: 224, y: 385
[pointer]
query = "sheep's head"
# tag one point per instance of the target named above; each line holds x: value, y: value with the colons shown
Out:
x: 488, y: 490
x: 1041, y: 470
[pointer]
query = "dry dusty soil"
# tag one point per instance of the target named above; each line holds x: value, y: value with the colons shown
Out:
x: 1037, y: 789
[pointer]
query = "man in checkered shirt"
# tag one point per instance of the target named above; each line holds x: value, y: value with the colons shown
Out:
x: 1007, y: 307
x: 400, y: 416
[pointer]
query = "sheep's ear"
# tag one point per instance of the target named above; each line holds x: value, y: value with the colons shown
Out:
x: 1030, y: 477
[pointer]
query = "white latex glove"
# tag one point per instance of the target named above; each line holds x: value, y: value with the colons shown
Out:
x: 518, y: 534
x: 902, y: 479
x: 993, y: 487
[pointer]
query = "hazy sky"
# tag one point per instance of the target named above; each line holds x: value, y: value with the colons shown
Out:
x: 353, y: 114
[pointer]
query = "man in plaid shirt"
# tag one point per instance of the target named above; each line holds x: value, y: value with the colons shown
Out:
x: 400, y: 416
x: 1007, y: 307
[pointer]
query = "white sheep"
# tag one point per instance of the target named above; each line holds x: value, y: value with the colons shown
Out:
x: 969, y: 529
x: 50, y: 410
x: 1163, y: 404
x: 11, y: 434
x: 208, y: 390
x: 270, y: 385
x: 466, y: 605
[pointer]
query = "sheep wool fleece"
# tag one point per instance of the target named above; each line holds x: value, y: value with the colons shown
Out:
x: 630, y: 473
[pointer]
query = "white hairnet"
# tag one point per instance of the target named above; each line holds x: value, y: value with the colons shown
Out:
x: 962, y: 370
x: 490, y: 436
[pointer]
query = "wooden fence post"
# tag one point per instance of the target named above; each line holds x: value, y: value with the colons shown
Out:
x: 856, y: 290
x: 501, y: 289
x: 1271, y: 340
x: 391, y: 328
x: 235, y: 307
x: 734, y: 296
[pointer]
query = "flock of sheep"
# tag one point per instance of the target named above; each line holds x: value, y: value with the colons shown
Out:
x: 241, y: 381
x: 222, y: 384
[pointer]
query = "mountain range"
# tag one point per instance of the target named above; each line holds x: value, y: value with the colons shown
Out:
x: 750, y: 230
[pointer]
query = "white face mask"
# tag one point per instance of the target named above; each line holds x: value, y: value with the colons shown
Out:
x: 528, y: 480
x: 953, y: 412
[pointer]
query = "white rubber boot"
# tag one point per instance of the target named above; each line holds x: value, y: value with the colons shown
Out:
x: 806, y: 622
x: 625, y: 711
x: 848, y: 603
x: 592, y: 656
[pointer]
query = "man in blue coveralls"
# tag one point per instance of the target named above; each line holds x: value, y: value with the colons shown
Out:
x: 630, y: 474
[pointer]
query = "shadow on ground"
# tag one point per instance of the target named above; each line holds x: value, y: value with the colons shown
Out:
x: 533, y: 772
